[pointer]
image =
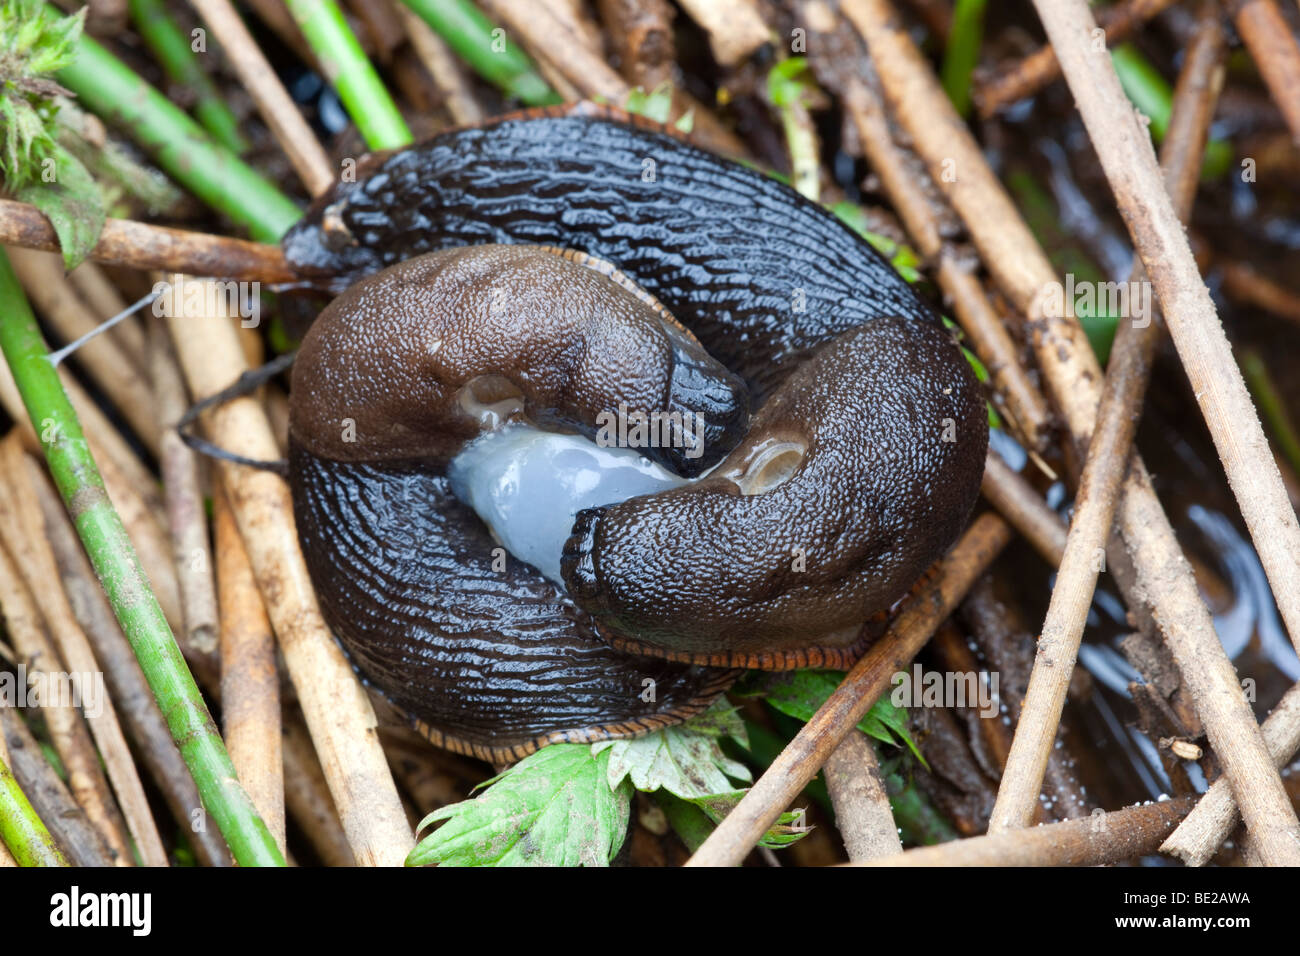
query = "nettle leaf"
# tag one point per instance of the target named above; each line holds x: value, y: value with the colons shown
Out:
x: 69, y: 197
x: 553, y: 808
x: 788, y: 828
x: 686, y: 760
x: 801, y: 693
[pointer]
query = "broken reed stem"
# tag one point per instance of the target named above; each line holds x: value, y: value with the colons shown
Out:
x: 335, y: 705
x: 24, y: 533
x: 187, y: 518
x: 1029, y: 75
x: 1094, y: 840
x: 1163, y: 576
x: 958, y: 280
x: 278, y: 109
x: 1199, y: 836
x: 126, y: 682
x: 48, y: 289
x: 862, y: 812
x: 68, y: 732
x: 1023, y: 508
x: 1106, y: 464
x: 250, y: 683
x: 1127, y: 160
x: 862, y: 686
x: 113, y: 556
x: 138, y: 245
x: 1272, y: 45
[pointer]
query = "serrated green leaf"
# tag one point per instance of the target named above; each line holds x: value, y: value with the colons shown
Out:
x: 71, y: 201
x: 801, y: 693
x: 683, y: 761
x: 788, y: 828
x: 553, y: 808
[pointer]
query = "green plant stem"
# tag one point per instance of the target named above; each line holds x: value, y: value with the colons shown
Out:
x: 469, y: 33
x: 107, y: 86
x: 125, y: 584
x: 1271, y: 407
x: 350, y: 72
x: 1152, y: 95
x: 172, y: 49
x: 965, y: 37
x: 21, y: 828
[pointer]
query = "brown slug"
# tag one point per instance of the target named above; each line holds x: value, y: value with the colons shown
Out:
x: 859, y: 468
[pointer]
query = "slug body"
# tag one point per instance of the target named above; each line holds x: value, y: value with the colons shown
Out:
x: 858, y: 469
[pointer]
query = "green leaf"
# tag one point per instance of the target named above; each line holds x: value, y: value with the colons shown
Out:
x: 788, y: 828
x: 686, y: 760
x: 71, y: 201
x: 788, y: 81
x: 654, y: 105
x: 553, y: 808
x: 801, y: 693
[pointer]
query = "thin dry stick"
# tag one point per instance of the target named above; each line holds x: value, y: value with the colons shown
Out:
x: 126, y: 681
x: 1273, y: 46
x: 183, y: 495
x: 124, y: 242
x: 250, y: 685
x: 1018, y: 264
x: 1203, y: 832
x: 307, y: 796
x: 870, y: 677
x: 979, y: 320
x: 1088, y: 841
x: 42, y: 278
x: 24, y: 532
x: 1028, y: 76
x: 1129, y: 164
x: 1245, y: 283
x: 1024, y: 508
x: 735, y: 27
x: 338, y: 713
x: 1104, y: 469
x: 448, y: 74
x: 268, y: 93
x: 68, y: 733
x: 67, y: 821
x: 104, y: 300
x: 857, y: 790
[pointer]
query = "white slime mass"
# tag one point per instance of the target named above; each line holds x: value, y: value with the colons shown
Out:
x: 528, y: 485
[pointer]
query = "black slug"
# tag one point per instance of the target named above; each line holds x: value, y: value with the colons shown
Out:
x: 859, y: 468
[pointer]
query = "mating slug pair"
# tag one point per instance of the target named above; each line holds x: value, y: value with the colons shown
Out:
x: 504, y: 288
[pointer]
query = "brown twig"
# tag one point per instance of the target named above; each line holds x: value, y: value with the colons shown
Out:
x: 1126, y: 158
x: 869, y: 678
x: 131, y: 694
x: 66, y: 820
x: 104, y: 300
x: 1022, y: 270
x: 307, y: 796
x: 67, y: 732
x: 641, y: 33
x: 124, y: 242
x: 862, y: 812
x: 250, y: 685
x: 1022, y: 506
x: 1106, y: 463
x: 735, y: 27
x: 447, y: 73
x: 183, y: 495
x: 268, y: 93
x: 1200, y: 835
x: 1090, y: 841
x: 1244, y: 283
x: 24, y: 533
x: 1273, y: 46
x: 1026, y: 77
x: 340, y: 717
